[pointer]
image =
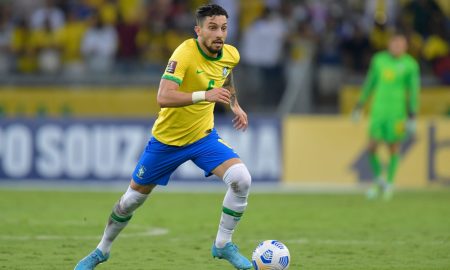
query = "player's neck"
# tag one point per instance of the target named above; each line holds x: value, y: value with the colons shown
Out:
x: 396, y: 56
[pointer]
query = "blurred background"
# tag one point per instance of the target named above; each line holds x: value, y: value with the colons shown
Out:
x: 78, y: 84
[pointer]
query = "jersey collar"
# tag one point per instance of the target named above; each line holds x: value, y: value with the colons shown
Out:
x: 219, y: 56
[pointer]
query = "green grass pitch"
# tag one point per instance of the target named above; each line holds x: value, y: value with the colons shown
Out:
x: 173, y: 231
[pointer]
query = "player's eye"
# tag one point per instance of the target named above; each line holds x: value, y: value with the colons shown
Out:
x: 212, y: 28
x: 224, y: 28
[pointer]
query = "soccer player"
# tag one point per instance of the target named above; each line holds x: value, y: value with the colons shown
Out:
x: 197, y: 76
x: 393, y: 78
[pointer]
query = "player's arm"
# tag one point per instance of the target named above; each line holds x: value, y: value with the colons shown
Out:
x: 170, y: 96
x: 240, y: 120
x: 368, y: 86
x: 413, y: 84
x: 413, y: 90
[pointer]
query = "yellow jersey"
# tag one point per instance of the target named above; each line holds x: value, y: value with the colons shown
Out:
x: 193, y: 70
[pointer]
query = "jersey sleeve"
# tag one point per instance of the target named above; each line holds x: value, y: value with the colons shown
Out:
x: 413, y: 84
x: 369, y: 82
x: 177, y: 65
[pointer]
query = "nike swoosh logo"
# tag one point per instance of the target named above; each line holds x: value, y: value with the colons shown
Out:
x: 200, y: 71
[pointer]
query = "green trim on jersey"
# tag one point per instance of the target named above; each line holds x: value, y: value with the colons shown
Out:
x: 206, y: 56
x: 172, y: 78
x: 231, y: 212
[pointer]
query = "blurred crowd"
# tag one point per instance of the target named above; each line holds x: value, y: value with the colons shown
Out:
x: 326, y: 40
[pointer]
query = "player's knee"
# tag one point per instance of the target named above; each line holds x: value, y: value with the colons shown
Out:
x: 239, y: 179
x: 129, y: 202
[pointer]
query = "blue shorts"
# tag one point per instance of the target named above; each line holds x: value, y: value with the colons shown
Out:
x: 160, y: 160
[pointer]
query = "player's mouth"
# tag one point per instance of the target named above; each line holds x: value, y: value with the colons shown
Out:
x: 218, y: 42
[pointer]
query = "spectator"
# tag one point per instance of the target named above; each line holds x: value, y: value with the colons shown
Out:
x: 44, y: 43
x: 109, y: 12
x: 253, y: 9
x: 262, y: 52
x: 426, y: 16
x: 130, y: 9
x: 329, y: 62
x: 174, y: 36
x: 382, y: 12
x: 128, y: 50
x: 152, y: 46
x: 24, y: 55
x: 82, y: 9
x: 50, y: 13
x: 435, y: 47
x: 70, y: 37
x: 25, y: 8
x: 415, y: 40
x: 380, y: 35
x: 99, y: 46
x: 5, y: 40
x: 297, y: 97
x: 356, y: 50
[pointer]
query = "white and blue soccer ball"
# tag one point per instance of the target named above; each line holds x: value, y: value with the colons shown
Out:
x: 271, y: 255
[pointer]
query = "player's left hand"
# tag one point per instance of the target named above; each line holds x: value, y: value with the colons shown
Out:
x: 240, y: 121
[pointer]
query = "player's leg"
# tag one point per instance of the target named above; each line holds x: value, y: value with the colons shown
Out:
x: 237, y: 177
x: 394, y: 151
x: 375, y: 165
x: 121, y: 214
x: 396, y: 133
x: 154, y: 168
x: 214, y: 156
x: 376, y: 132
x: 374, y: 160
x: 235, y: 174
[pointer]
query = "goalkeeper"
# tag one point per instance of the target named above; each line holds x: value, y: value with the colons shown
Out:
x: 393, y: 79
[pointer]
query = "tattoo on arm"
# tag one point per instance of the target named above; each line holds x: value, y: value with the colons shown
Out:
x: 229, y: 84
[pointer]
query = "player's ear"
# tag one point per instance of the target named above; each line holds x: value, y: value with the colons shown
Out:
x: 197, y: 30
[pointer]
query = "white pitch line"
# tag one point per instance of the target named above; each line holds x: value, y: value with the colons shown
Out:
x: 359, y: 242
x: 148, y: 232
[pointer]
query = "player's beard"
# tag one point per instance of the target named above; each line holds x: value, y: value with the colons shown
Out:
x: 211, y: 48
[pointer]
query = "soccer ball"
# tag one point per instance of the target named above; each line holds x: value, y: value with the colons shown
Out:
x: 271, y: 255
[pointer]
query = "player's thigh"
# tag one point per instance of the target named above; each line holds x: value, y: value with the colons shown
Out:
x: 377, y: 129
x: 396, y: 130
x: 214, y: 152
x: 158, y: 162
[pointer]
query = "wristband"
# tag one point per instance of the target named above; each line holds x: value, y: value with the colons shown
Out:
x: 198, y: 96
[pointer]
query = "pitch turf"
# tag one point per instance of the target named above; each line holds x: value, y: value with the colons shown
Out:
x: 174, y: 231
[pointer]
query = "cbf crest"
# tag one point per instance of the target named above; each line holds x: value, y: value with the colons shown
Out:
x: 225, y: 72
x: 140, y: 173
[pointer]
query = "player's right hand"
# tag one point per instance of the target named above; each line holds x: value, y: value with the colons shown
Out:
x: 221, y: 95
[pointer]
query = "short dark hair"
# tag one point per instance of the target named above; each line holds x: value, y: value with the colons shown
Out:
x: 209, y: 11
